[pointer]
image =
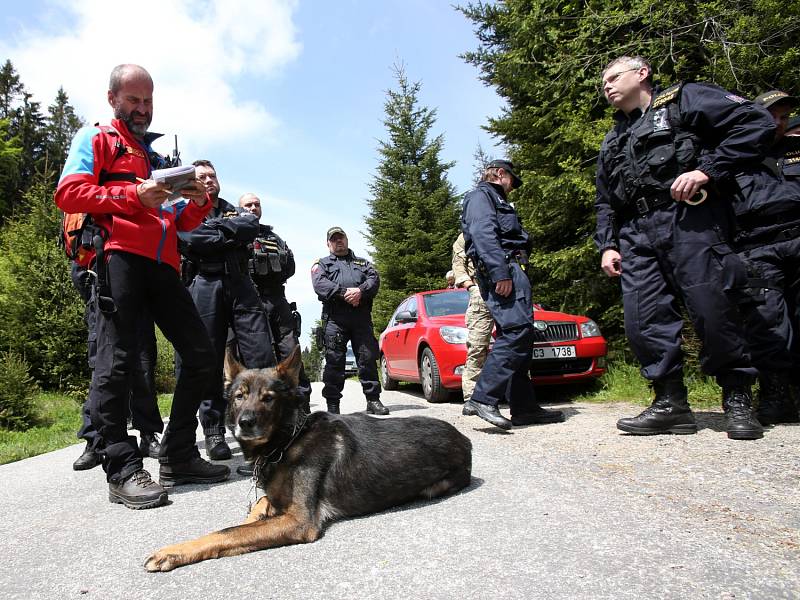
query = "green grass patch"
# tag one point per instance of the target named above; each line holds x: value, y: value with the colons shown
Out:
x: 59, y: 418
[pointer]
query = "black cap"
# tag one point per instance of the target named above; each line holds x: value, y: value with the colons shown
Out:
x: 508, y: 166
x: 333, y: 231
x: 772, y: 97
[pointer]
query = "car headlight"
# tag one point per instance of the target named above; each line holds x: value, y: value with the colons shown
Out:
x: 454, y: 335
x: 590, y: 329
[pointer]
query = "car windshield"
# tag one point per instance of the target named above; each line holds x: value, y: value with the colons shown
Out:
x: 446, y: 303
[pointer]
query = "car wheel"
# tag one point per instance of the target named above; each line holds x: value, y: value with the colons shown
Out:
x: 388, y: 383
x: 429, y: 376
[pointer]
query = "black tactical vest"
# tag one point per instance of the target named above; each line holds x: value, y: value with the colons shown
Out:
x: 646, y: 156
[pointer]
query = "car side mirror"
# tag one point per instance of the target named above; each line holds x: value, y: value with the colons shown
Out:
x: 405, y: 316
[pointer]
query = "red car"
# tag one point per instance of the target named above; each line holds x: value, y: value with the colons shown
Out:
x: 425, y: 342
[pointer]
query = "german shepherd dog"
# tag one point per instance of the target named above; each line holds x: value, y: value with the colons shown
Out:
x: 317, y: 468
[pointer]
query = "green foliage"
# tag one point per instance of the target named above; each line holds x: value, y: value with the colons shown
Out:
x: 312, y: 357
x: 10, y: 158
x: 414, y: 210
x: 165, y: 365
x: 17, y: 392
x: 545, y: 57
x: 41, y: 315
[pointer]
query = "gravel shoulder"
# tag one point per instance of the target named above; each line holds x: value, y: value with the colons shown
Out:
x: 573, y: 510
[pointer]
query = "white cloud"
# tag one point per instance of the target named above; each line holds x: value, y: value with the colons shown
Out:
x: 195, y: 51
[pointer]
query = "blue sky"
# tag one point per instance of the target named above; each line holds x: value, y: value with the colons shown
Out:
x: 285, y: 97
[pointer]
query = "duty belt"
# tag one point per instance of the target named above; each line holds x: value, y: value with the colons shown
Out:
x: 744, y: 243
x: 228, y: 267
x: 645, y: 205
x: 518, y: 256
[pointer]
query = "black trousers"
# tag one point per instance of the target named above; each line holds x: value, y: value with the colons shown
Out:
x: 355, y: 326
x: 228, y: 301
x: 143, y: 405
x: 139, y: 283
x: 679, y: 254
x: 281, y: 322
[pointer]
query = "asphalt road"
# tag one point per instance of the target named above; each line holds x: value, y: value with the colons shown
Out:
x: 573, y: 510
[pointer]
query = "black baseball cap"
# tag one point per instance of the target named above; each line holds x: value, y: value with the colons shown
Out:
x: 773, y: 97
x: 333, y: 231
x: 508, y: 166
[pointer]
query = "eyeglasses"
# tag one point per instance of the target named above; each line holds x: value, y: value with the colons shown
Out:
x: 615, y: 77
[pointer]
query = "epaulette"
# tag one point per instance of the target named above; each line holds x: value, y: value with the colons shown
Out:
x: 668, y: 95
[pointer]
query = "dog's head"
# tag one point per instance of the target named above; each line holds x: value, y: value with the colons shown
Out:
x: 261, y: 401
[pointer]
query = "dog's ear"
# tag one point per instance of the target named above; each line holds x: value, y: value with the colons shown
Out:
x: 232, y: 366
x: 289, y: 369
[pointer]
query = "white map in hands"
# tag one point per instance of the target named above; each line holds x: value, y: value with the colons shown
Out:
x: 176, y: 178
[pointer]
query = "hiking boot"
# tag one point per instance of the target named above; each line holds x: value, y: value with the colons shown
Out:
x: 149, y: 444
x: 333, y: 407
x: 217, y: 448
x: 486, y: 412
x: 89, y: 459
x: 137, y: 491
x: 669, y: 412
x: 537, y: 415
x: 376, y: 407
x: 775, y: 401
x: 195, y: 470
x: 741, y: 424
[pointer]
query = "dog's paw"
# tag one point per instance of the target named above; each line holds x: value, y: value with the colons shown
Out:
x: 163, y: 561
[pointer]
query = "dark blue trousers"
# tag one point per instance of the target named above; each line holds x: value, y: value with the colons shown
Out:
x: 676, y: 255
x: 506, y: 372
x: 355, y: 326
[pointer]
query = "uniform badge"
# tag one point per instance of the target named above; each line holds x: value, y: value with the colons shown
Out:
x: 735, y: 98
x: 660, y: 120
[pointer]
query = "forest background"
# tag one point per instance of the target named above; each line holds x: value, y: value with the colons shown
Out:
x: 543, y: 58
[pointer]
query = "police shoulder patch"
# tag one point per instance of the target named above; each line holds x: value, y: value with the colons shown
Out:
x: 735, y: 98
x: 792, y: 158
x: 668, y: 95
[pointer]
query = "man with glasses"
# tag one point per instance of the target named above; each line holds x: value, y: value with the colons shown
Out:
x: 663, y: 224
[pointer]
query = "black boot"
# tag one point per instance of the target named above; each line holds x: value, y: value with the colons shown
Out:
x: 487, y: 412
x: 376, y: 407
x: 89, y: 459
x: 149, y: 444
x: 669, y: 413
x: 741, y: 423
x: 217, y: 448
x: 775, y: 401
x: 537, y: 415
x: 333, y: 406
x: 194, y: 470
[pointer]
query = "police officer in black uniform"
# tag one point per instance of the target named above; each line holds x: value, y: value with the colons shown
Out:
x: 346, y: 286
x: 216, y: 270
x: 768, y: 240
x: 668, y: 151
x: 271, y: 265
x: 498, y: 246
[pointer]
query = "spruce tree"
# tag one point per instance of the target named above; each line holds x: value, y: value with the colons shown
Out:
x: 414, y: 210
x: 11, y: 89
x: 61, y: 126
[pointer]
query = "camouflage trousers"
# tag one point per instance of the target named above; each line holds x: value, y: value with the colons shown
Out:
x: 479, y: 334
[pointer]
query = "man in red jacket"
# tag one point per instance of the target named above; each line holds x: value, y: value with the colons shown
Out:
x: 107, y: 174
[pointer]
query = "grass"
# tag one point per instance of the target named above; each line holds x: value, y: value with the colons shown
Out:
x: 60, y: 415
x: 59, y: 421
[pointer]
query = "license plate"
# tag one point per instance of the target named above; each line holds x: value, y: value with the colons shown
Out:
x: 554, y: 352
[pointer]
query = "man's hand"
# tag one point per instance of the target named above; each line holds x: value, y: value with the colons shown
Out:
x: 352, y: 296
x: 152, y: 194
x: 611, y: 262
x: 196, y: 192
x: 503, y: 287
x: 687, y: 185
